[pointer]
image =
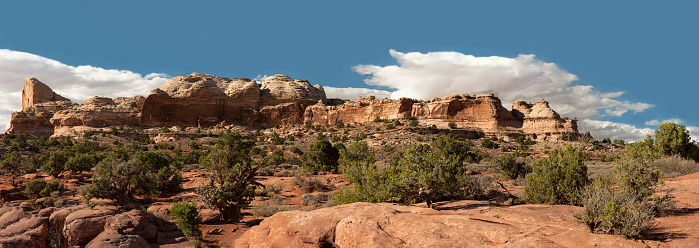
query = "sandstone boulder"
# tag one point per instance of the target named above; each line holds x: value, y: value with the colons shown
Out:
x: 85, y: 224
x: 387, y: 225
x: 112, y: 239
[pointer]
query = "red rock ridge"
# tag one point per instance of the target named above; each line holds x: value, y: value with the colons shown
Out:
x: 207, y: 100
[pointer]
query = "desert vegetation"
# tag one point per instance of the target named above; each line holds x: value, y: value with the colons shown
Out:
x: 254, y: 173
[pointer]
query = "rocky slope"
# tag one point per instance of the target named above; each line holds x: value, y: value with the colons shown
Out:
x: 207, y: 100
x: 22, y: 226
x: 465, y: 224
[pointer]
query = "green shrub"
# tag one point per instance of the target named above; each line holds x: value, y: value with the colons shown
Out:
x: 558, y: 179
x: 451, y: 125
x: 417, y: 173
x: 148, y: 174
x: 608, y: 209
x: 56, y: 163
x: 671, y: 138
x: 81, y: 162
x: 413, y: 123
x: 487, y: 143
x: 321, y: 157
x: 231, y: 176
x: 276, y: 140
x: 33, y: 188
x: 511, y: 168
x: 35, y: 162
x: 296, y: 149
x: 13, y: 166
x: 52, y: 186
x: 188, y: 219
x: 339, y: 124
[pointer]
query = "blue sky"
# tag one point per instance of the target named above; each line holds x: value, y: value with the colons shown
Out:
x: 646, y: 49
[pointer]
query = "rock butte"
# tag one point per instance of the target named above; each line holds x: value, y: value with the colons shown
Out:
x: 207, y: 100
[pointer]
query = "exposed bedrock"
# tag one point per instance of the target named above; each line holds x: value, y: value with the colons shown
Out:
x: 207, y: 100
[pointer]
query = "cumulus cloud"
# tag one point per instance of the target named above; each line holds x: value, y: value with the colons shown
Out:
x: 607, y: 129
x: 693, y: 132
x: 352, y: 93
x: 76, y: 83
x: 656, y: 122
x: 436, y: 74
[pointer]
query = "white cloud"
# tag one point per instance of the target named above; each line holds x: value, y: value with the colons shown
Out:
x: 437, y: 74
x: 260, y: 78
x: 652, y: 122
x: 352, y: 93
x: 76, y: 83
x: 612, y: 130
x: 656, y: 122
x: 693, y: 132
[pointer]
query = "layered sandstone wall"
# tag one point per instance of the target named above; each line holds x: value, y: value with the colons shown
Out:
x: 207, y: 100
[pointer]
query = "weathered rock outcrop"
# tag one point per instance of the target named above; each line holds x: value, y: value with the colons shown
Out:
x: 207, y: 100
x: 101, y: 112
x: 25, y: 227
x: 387, y: 225
x: 38, y: 97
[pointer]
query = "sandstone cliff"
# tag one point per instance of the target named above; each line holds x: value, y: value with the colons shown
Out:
x: 207, y: 100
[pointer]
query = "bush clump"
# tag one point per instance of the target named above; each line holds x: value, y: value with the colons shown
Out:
x: 675, y: 166
x: 188, y: 219
x: 626, y: 203
x: 511, y: 168
x: 558, y: 179
x: 270, y: 207
x: 40, y: 188
x: 231, y: 175
x: 321, y: 157
x: 147, y: 174
x: 487, y: 143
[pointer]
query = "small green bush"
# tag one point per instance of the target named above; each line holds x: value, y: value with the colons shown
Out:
x: 14, y: 166
x: 451, y: 125
x: 276, y: 140
x: 231, y: 176
x: 487, y: 143
x: 558, y: 179
x: 56, y: 163
x: 33, y: 188
x: 608, y: 209
x: 321, y: 157
x: 511, y: 168
x: 188, y: 219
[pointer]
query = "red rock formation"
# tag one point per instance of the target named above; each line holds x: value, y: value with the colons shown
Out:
x: 390, y: 225
x: 38, y: 97
x: 101, y: 112
x: 207, y: 100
